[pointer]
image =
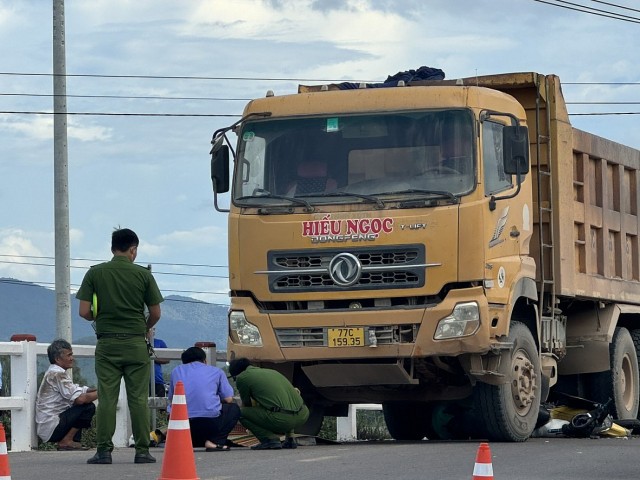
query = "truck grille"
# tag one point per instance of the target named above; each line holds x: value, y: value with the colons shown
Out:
x: 380, y: 268
x: 317, y: 337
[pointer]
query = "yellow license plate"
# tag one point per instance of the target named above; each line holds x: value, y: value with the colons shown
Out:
x: 345, y: 337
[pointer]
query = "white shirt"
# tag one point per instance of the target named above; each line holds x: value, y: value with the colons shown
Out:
x: 0, y: 376
x: 56, y: 394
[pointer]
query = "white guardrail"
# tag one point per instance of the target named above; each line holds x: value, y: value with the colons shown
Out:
x: 346, y: 428
x: 24, y: 388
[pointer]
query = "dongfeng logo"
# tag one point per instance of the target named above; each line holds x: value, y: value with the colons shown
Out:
x: 345, y: 269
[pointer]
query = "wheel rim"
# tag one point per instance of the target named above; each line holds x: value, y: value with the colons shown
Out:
x: 524, y: 383
x: 627, y: 383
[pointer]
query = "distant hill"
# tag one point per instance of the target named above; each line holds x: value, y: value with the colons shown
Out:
x: 29, y: 308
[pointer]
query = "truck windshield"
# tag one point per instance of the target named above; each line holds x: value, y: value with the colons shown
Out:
x: 386, y: 156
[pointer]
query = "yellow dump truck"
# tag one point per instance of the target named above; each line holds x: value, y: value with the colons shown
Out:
x: 454, y: 250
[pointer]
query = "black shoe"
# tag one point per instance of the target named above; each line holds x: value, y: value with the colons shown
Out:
x: 143, y: 458
x: 289, y: 442
x: 268, y: 445
x: 101, y: 458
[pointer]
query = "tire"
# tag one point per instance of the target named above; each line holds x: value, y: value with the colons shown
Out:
x: 621, y: 382
x: 635, y: 336
x: 314, y: 423
x: 509, y: 412
x: 409, y: 421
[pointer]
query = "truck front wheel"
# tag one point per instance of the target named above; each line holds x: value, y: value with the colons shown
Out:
x: 508, y: 412
x: 314, y: 423
x: 408, y: 420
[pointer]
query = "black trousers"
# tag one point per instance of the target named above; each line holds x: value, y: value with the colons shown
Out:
x: 78, y: 416
x: 160, y: 390
x: 216, y: 429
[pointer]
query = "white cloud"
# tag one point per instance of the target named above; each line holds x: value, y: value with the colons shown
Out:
x: 40, y: 127
x: 197, y: 238
x: 87, y: 133
x: 75, y: 235
x: 21, y: 258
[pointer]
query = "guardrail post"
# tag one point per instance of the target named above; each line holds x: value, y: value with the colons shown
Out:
x: 346, y: 429
x: 24, y: 384
x: 210, y: 349
x: 123, y: 426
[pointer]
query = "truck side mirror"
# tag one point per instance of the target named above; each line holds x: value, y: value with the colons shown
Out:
x: 220, y: 168
x: 515, y: 147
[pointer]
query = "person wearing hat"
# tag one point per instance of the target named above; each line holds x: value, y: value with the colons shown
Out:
x: 271, y: 405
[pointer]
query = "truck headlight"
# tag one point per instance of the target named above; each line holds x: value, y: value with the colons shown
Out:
x: 463, y: 321
x: 243, y: 332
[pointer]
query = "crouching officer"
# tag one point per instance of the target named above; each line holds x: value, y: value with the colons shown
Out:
x: 271, y: 405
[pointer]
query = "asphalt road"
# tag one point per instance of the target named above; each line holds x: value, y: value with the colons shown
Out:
x: 536, y: 459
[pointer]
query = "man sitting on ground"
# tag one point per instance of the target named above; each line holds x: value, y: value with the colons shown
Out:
x: 212, y: 410
x: 63, y: 408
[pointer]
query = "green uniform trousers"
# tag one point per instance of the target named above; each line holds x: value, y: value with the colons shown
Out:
x: 118, y: 358
x: 266, y: 425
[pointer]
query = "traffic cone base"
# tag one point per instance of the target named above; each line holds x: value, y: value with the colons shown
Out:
x: 5, y: 471
x: 178, y: 462
x: 483, y: 468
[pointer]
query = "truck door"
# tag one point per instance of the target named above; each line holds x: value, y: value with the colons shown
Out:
x: 504, y: 225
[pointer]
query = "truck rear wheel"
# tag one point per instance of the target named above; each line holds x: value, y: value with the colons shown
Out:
x: 408, y: 420
x: 621, y: 382
x: 635, y: 336
x: 508, y: 412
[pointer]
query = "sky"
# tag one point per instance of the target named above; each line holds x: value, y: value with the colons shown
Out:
x: 148, y: 82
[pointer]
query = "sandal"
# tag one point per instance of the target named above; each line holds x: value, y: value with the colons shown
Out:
x: 69, y: 448
x: 218, y: 448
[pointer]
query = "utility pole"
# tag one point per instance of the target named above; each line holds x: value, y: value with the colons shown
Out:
x: 61, y: 176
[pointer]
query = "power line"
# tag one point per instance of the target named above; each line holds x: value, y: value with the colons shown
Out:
x: 591, y: 10
x: 187, y: 77
x: 616, y: 6
x: 602, y: 114
x: 86, y: 268
x: 183, y: 77
x: 125, y: 97
x: 104, y: 260
x: 113, y: 114
x: 602, y: 103
x: 41, y: 284
x: 195, y: 115
x: 600, y: 83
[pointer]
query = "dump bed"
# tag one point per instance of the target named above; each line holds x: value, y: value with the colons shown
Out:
x: 589, y: 190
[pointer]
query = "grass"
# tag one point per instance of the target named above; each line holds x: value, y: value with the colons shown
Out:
x: 89, y: 434
x: 370, y: 425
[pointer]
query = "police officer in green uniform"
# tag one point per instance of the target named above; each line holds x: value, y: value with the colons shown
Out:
x: 271, y: 405
x: 122, y: 289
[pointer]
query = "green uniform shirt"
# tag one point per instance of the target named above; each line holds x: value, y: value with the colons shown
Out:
x: 123, y: 288
x: 268, y: 388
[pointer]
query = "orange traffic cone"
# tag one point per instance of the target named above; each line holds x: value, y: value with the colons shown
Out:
x: 5, y: 471
x: 178, y: 462
x: 483, y: 469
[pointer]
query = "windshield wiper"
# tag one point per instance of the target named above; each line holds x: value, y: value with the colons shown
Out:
x: 372, y: 198
x: 265, y: 194
x: 440, y: 193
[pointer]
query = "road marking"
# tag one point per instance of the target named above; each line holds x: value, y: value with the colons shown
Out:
x: 319, y: 459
